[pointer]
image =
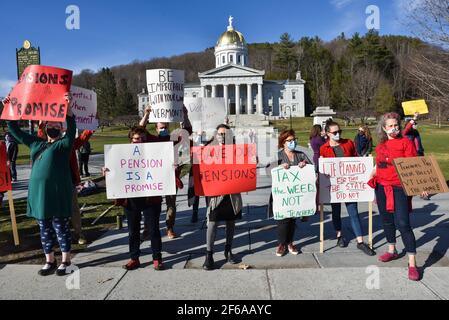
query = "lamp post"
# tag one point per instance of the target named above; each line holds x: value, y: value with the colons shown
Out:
x: 290, y: 109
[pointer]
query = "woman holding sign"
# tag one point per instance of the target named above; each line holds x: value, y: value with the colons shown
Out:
x: 50, y: 187
x: 394, y: 205
x: 226, y: 208
x: 338, y: 147
x: 287, y: 158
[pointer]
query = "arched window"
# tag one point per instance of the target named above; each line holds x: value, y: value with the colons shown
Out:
x: 231, y: 58
x: 223, y: 59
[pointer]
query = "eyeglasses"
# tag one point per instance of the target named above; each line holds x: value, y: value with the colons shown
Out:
x: 335, y: 132
x: 290, y: 140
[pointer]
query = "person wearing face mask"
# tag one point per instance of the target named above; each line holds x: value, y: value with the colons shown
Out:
x: 337, y: 147
x: 316, y: 141
x: 50, y: 187
x: 225, y: 208
x: 150, y: 207
x: 363, y: 142
x: 288, y: 156
x: 163, y: 134
x: 394, y: 205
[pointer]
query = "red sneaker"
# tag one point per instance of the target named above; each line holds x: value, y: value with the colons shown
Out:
x: 413, y: 273
x: 132, y: 264
x: 157, y: 264
x: 281, y: 250
x: 387, y: 257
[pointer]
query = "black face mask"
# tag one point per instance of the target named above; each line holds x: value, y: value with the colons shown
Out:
x: 53, y: 132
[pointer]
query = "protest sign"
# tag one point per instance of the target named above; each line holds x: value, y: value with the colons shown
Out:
x: 39, y: 95
x: 224, y: 169
x: 85, y: 108
x: 294, y: 192
x: 139, y: 170
x: 410, y: 107
x: 345, y: 179
x: 420, y: 174
x: 205, y: 113
x: 166, y: 95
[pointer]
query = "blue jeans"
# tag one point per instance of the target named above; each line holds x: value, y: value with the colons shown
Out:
x: 151, y: 218
x: 402, y: 216
x: 353, y: 215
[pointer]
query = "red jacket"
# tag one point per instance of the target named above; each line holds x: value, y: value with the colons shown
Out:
x: 347, y: 145
x: 74, y: 168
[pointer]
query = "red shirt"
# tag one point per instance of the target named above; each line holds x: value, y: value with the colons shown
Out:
x: 326, y: 151
x: 385, y: 154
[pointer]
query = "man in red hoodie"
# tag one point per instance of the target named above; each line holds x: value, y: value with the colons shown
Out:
x: 76, y: 180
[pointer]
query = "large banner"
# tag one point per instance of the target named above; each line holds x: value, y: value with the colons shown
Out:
x: 294, y: 192
x: 5, y: 175
x: 205, y: 113
x: 85, y: 108
x: 139, y: 170
x: 345, y: 179
x: 39, y: 95
x: 420, y: 174
x: 226, y: 169
x: 166, y: 95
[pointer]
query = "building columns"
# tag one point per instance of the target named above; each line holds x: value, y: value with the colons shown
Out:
x: 237, y: 99
x: 203, y: 91
x: 226, y: 98
x: 259, y: 99
x: 249, y: 100
x: 214, y: 91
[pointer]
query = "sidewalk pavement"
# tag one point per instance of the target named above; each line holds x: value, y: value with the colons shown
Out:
x: 338, y: 273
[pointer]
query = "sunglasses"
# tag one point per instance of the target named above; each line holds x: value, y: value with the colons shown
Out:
x: 335, y: 132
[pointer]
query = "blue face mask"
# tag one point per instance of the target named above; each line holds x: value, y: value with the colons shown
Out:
x: 291, y: 145
x: 164, y: 133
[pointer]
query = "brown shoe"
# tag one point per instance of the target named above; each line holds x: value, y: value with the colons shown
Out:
x: 171, y: 234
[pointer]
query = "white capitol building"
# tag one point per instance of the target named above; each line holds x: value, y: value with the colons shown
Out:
x: 244, y: 89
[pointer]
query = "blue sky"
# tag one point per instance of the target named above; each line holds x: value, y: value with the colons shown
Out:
x: 118, y: 32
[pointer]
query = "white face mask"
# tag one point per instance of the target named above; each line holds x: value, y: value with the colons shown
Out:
x: 336, y: 137
x: 392, y: 132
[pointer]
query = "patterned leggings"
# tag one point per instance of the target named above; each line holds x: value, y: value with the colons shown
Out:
x: 50, y: 228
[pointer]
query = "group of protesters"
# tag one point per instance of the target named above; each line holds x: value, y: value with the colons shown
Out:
x: 53, y: 202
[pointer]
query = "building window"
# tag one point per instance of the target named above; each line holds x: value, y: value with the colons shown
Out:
x: 231, y: 58
x: 293, y: 95
x: 239, y: 59
x: 294, y: 108
x: 223, y: 59
x: 281, y: 95
x: 143, y: 99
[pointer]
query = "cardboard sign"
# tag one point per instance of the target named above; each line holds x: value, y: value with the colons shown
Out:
x: 139, y: 170
x: 85, y: 108
x: 294, y: 192
x: 5, y: 175
x: 410, y: 107
x: 420, y: 174
x: 226, y: 169
x: 205, y: 113
x: 39, y: 95
x: 345, y: 179
x: 166, y: 95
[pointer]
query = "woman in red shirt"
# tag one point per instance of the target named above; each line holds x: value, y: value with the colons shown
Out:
x: 337, y: 147
x: 391, y: 198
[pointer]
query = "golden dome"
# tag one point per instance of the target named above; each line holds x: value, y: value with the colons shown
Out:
x: 231, y: 37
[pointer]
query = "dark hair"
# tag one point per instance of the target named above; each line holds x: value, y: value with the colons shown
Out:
x: 283, y: 136
x: 137, y: 130
x: 330, y: 123
x: 223, y: 126
x: 316, y: 131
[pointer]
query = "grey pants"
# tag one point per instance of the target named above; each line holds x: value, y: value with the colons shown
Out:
x: 212, y: 233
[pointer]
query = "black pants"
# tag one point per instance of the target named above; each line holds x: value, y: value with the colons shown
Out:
x: 400, y: 219
x: 152, y: 215
x: 83, y: 163
x: 286, y: 230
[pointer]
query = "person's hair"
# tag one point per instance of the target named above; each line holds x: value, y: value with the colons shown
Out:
x: 137, y: 130
x: 283, y: 136
x: 330, y: 123
x: 221, y: 126
x: 381, y: 134
x: 367, y: 132
x: 316, y: 131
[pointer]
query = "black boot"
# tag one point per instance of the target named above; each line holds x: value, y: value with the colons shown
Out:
x: 194, y: 217
x: 229, y: 256
x: 209, y: 262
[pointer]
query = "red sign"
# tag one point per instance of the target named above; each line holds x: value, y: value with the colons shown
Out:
x: 5, y: 176
x: 39, y: 95
x: 226, y: 169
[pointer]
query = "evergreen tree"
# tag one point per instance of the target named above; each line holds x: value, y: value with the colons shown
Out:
x: 125, y: 103
x: 106, y: 94
x: 384, y: 99
x: 285, y: 57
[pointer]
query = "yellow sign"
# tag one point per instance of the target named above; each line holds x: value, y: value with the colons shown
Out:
x: 410, y: 107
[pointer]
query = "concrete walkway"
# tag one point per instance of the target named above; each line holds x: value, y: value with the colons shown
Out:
x: 336, y: 274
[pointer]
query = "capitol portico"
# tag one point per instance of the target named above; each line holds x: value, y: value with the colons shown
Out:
x: 243, y: 88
